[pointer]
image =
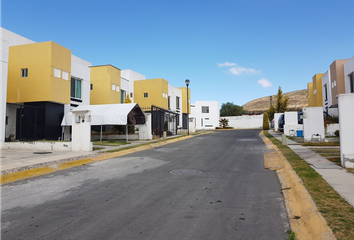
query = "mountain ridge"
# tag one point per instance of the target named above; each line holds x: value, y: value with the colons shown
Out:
x: 297, y: 100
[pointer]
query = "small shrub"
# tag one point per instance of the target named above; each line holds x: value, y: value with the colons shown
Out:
x: 265, y: 121
x: 336, y: 133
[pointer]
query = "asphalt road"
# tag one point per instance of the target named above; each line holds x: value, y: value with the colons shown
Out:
x: 210, y: 186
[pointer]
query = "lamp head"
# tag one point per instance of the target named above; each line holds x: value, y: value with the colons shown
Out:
x: 187, y: 82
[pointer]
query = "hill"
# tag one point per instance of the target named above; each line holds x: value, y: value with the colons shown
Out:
x: 297, y: 100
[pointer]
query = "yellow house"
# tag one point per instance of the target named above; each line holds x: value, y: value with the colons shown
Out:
x: 151, y: 92
x: 105, y: 85
x: 39, y: 72
x: 184, y: 100
x: 317, y: 89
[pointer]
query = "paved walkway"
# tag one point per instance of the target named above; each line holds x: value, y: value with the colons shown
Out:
x: 340, y: 179
x: 20, y: 160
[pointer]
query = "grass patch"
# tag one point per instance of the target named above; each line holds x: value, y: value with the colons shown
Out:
x: 320, y: 144
x: 109, y: 143
x: 338, y: 213
x: 351, y: 170
x: 97, y: 148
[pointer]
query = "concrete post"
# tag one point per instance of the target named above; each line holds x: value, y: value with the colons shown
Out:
x: 81, y: 131
x: 346, y: 129
x: 283, y: 139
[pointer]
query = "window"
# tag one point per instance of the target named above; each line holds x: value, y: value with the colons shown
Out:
x: 122, y: 96
x: 113, y: 87
x: 91, y: 86
x: 76, y: 87
x: 57, y: 72
x: 131, y: 95
x: 205, y: 109
x: 325, y: 92
x: 351, y: 80
x: 24, y: 72
x: 145, y: 95
x: 117, y: 88
x: 7, y: 120
x: 206, y: 119
x: 65, y: 75
x: 201, y: 122
x: 177, y: 102
x: 169, y: 102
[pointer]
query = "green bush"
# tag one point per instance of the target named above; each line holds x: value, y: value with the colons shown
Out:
x: 265, y: 121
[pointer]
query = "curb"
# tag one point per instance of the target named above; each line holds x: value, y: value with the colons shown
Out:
x: 58, y: 165
x: 304, y: 218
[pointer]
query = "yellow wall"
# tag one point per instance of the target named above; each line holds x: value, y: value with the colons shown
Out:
x: 155, y: 89
x: 184, y: 99
x: 102, y: 78
x: 40, y: 59
x: 311, y: 102
x: 317, y: 84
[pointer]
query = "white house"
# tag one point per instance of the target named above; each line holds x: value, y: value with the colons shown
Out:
x: 206, y: 114
x: 327, y: 94
x: 349, y: 75
x: 7, y: 39
x: 127, y: 81
x: 175, y: 102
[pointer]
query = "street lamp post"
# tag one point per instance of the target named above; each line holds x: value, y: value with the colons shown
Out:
x: 187, y: 83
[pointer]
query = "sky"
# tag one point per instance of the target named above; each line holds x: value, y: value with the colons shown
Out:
x: 230, y: 50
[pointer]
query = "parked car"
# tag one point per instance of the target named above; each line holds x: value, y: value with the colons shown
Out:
x: 281, y: 123
x: 272, y: 124
x: 300, y: 118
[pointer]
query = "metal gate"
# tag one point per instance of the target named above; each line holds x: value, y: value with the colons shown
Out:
x: 162, y: 120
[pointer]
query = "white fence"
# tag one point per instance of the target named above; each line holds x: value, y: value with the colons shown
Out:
x: 245, y: 121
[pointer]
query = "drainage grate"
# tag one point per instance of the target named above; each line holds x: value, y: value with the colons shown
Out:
x: 41, y: 152
x: 186, y: 172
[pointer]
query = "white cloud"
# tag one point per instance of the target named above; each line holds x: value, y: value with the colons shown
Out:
x: 264, y: 82
x: 226, y: 64
x: 240, y: 70
x: 237, y: 70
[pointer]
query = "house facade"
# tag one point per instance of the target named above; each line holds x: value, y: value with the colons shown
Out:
x: 324, y: 88
x: 206, y: 114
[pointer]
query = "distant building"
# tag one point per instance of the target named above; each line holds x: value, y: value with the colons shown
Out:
x: 206, y: 114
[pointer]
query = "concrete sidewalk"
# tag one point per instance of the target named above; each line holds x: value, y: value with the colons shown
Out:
x: 12, y: 160
x: 340, y: 179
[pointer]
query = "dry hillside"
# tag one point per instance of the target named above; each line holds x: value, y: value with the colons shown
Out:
x: 297, y: 100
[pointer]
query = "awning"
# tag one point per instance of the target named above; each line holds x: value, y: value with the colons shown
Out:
x: 110, y: 114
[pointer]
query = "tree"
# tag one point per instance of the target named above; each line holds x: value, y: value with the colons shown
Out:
x: 127, y: 100
x: 265, y: 121
x: 223, y: 122
x: 271, y: 112
x: 230, y: 109
x: 282, y: 102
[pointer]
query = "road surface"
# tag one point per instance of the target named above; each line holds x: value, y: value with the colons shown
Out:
x: 211, y: 186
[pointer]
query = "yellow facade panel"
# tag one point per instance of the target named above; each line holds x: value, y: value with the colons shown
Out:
x: 184, y: 99
x: 151, y: 92
x: 311, y: 102
x: 102, y: 78
x: 30, y: 73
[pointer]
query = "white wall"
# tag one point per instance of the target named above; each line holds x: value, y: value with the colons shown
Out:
x: 346, y: 129
x: 348, y: 69
x: 80, y: 68
x: 326, y: 80
x: 313, y: 124
x: 7, y: 39
x: 127, y: 81
x: 206, y: 120
x: 174, y: 92
x: 245, y: 121
x: 291, y: 124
